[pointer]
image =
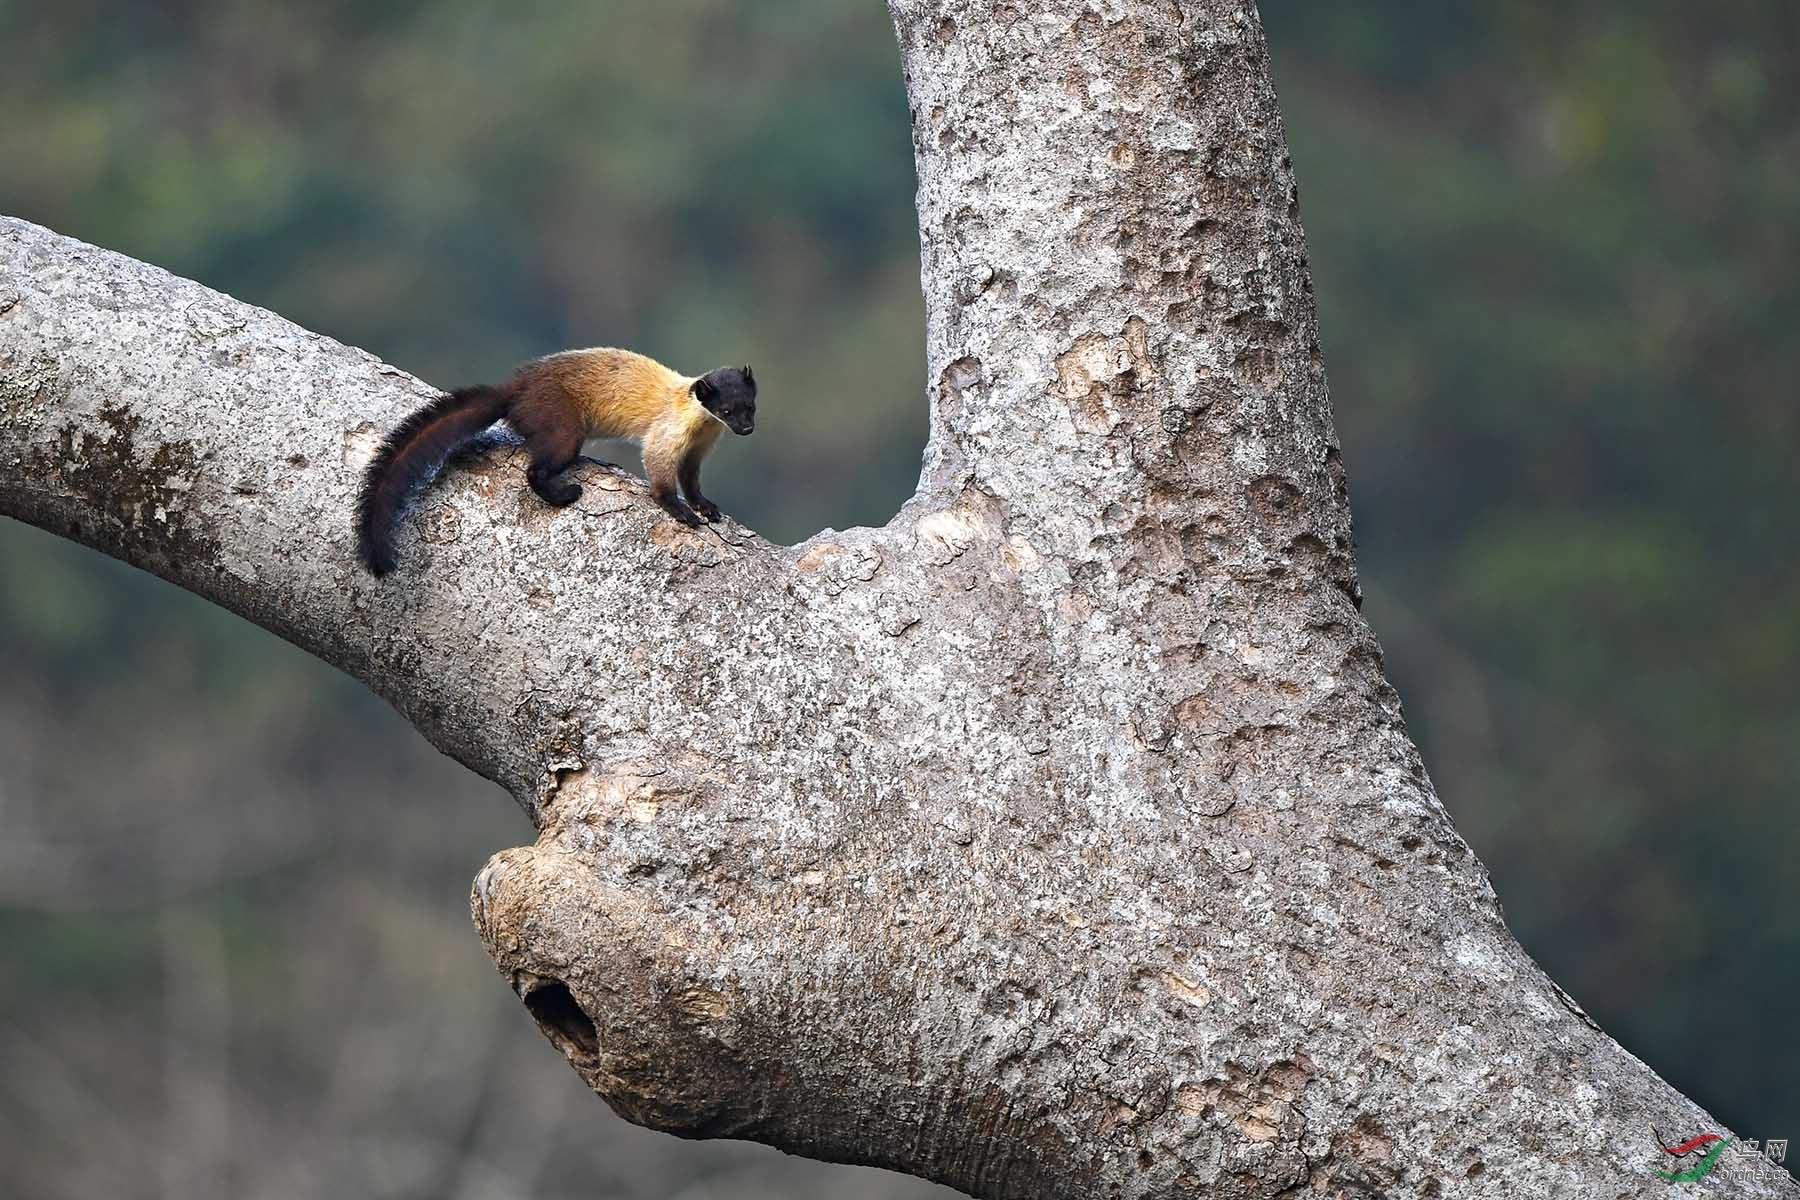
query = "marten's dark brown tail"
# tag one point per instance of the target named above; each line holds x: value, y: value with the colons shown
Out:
x: 409, y: 457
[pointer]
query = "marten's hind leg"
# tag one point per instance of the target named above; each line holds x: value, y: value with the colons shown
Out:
x: 545, y: 415
x: 553, y: 451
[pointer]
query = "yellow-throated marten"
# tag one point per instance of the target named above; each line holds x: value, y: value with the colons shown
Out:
x: 556, y: 403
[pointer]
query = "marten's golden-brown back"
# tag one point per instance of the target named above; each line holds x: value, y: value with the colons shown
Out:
x: 619, y: 394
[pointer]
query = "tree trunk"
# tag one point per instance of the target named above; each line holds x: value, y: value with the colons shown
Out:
x: 1060, y: 838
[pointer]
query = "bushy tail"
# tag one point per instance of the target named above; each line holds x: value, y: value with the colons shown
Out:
x: 410, y: 456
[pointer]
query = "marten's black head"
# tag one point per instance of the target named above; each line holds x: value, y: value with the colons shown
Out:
x: 729, y: 394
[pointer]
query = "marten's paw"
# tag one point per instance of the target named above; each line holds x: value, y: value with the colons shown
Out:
x: 561, y: 495
x: 675, y: 507
x: 708, y: 511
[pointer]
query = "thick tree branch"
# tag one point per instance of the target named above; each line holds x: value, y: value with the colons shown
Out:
x: 219, y: 446
x: 1061, y: 838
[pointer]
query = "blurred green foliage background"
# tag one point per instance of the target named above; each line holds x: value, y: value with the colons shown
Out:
x: 1555, y: 250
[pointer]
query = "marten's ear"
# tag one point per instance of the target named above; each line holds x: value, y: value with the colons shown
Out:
x: 748, y: 377
x: 705, y: 391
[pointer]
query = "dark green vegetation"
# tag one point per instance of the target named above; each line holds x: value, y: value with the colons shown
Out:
x: 1559, y: 272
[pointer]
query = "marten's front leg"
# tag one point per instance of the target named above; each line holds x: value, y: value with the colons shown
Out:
x: 663, y: 469
x: 690, y: 486
x: 672, y: 503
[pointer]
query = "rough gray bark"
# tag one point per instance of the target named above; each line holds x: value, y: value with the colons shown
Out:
x: 1061, y: 837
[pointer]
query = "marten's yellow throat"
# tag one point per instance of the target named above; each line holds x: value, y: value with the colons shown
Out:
x: 556, y: 403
